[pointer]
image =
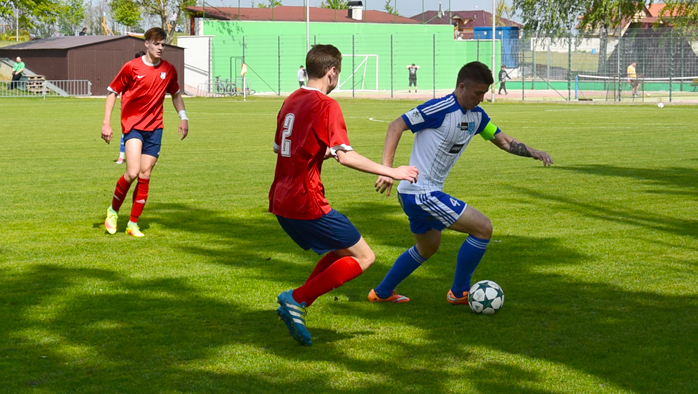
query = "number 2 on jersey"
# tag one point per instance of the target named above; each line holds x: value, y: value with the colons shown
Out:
x: 286, y: 134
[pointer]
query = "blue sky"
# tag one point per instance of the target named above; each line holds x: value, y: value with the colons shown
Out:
x: 406, y: 8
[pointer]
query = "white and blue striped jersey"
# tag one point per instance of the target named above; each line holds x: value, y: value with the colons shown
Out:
x: 443, y: 130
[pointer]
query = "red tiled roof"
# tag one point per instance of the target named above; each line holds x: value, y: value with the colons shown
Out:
x: 295, y: 14
x: 475, y: 18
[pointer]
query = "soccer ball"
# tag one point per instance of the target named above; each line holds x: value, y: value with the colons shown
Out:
x: 648, y: 95
x: 660, y: 105
x: 486, y: 297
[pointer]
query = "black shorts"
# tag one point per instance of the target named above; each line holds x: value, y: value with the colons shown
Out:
x: 413, y: 81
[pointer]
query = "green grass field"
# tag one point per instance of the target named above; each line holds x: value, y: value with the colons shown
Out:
x: 597, y: 256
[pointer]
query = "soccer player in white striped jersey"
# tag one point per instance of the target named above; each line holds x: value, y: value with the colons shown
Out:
x: 443, y: 129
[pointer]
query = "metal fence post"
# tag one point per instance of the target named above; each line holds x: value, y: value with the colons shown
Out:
x: 569, y: 67
x: 391, y: 66
x: 523, y: 67
x: 533, y: 80
x: 278, y: 64
x: 433, y: 50
x: 671, y: 61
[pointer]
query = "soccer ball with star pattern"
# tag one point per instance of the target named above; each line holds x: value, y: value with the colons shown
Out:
x: 486, y: 297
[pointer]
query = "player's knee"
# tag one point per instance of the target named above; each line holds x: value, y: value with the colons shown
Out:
x: 366, y: 259
x: 485, y: 229
x: 131, y: 175
x: 427, y: 251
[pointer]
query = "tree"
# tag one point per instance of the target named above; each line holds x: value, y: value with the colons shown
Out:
x: 31, y: 12
x: 168, y: 12
x: 334, y: 4
x: 503, y: 10
x: 682, y: 14
x: 72, y: 19
x: 272, y: 4
x: 389, y: 9
x: 126, y: 12
x: 559, y: 17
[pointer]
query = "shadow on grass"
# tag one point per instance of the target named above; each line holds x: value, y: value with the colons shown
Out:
x: 90, y: 330
x: 674, y: 177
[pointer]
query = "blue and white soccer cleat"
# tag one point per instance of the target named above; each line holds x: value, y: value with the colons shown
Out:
x: 293, y: 314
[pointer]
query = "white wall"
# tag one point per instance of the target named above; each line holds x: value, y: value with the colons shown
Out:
x: 197, y: 61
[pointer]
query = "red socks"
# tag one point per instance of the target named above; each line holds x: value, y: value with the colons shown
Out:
x: 140, y: 196
x: 122, y: 187
x: 334, y: 276
x: 323, y: 264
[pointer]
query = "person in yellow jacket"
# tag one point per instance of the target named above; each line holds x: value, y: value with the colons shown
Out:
x: 632, y: 78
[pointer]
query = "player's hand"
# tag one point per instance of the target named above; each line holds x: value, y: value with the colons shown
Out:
x: 542, y: 156
x: 107, y: 133
x: 328, y: 153
x: 406, y: 173
x: 183, y: 129
x: 384, y: 184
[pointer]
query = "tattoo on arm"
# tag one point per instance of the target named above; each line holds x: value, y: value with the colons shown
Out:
x: 519, y: 149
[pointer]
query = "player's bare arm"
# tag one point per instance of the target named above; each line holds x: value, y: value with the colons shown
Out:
x: 356, y: 161
x: 392, y: 139
x: 515, y: 147
x: 178, y: 103
x: 107, y: 131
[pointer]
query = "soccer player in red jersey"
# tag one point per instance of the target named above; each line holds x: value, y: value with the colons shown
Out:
x: 310, y: 128
x: 142, y: 83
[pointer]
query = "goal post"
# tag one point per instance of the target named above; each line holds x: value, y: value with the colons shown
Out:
x: 364, y: 76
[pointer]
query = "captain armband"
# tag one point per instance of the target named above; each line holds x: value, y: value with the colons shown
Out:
x: 489, y: 131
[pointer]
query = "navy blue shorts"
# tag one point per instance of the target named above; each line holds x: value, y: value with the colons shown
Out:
x: 435, y: 210
x: 332, y: 231
x: 151, y: 141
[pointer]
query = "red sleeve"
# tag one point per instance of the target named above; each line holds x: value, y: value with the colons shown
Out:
x: 122, y: 81
x: 279, y: 127
x: 336, y: 128
x: 173, y: 86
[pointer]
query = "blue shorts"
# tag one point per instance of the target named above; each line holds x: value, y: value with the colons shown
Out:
x: 332, y: 231
x: 151, y: 140
x: 435, y: 210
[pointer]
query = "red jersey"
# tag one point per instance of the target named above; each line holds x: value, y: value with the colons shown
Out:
x: 308, y: 123
x: 143, y: 86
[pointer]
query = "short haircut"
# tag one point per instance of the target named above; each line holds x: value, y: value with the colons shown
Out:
x: 321, y: 58
x: 139, y: 54
x: 155, y: 34
x: 475, y: 72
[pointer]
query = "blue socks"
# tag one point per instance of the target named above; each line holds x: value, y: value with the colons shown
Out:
x: 406, y: 264
x: 469, y: 257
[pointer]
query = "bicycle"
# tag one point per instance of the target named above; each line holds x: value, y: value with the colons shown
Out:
x: 225, y: 87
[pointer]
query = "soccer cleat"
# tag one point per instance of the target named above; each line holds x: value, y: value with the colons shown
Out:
x: 110, y: 221
x: 120, y: 161
x: 456, y: 300
x: 133, y: 230
x: 293, y: 314
x: 397, y: 298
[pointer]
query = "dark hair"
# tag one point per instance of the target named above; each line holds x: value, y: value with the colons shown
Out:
x: 321, y: 58
x: 155, y: 33
x: 475, y: 72
x: 139, y: 54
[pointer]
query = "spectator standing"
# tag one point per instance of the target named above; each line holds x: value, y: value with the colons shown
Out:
x: 413, y: 77
x: 632, y: 78
x: 17, y: 71
x: 302, y: 76
x: 503, y: 76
